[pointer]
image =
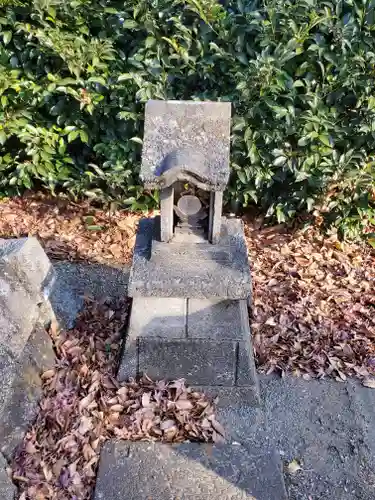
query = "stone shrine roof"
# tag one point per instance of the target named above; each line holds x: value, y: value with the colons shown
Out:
x: 187, y: 141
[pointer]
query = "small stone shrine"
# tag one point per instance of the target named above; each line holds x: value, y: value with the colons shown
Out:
x: 190, y: 279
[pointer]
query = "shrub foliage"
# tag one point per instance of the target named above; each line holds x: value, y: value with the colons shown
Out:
x: 74, y: 76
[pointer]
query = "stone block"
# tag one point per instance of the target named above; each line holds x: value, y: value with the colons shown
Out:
x: 39, y: 348
x: 233, y: 397
x: 7, y: 488
x: 21, y: 390
x: 144, y: 471
x: 216, y: 207
x: 188, y: 137
x: 8, y: 366
x: 19, y: 399
x: 215, y: 319
x: 154, y: 317
x: 167, y: 214
x: 157, y: 317
x: 200, y: 362
x: 18, y: 314
x: 193, y: 271
x: 26, y: 259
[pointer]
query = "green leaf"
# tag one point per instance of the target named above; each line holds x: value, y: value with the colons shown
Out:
x: 3, y: 137
x: 84, y: 136
x: 150, y: 41
x: 98, y: 79
x: 242, y: 177
x: 325, y: 140
x: 125, y: 76
x: 303, y: 141
x: 281, y: 160
x: 7, y: 37
x: 129, y: 24
x: 73, y: 135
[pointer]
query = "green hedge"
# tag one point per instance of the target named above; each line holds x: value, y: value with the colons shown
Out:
x: 74, y: 76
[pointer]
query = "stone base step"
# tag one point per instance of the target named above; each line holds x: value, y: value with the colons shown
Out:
x: 191, y: 471
x: 197, y: 270
x: 205, y: 341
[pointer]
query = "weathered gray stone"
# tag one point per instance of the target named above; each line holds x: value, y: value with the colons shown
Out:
x: 232, y: 397
x: 167, y: 214
x: 200, y: 362
x: 216, y: 207
x: 39, y: 349
x: 179, y: 328
x: 215, y: 319
x: 128, y: 368
x: 157, y: 317
x: 151, y: 317
x: 193, y: 271
x: 144, y: 471
x: 26, y: 259
x: 21, y: 389
x: 7, y: 488
x: 19, y: 400
x: 187, y: 141
x: 18, y: 313
x: 8, y: 366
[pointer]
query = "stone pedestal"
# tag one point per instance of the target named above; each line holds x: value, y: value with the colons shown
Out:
x: 205, y: 341
x: 189, y: 316
x: 190, y: 278
x: 185, y: 268
x: 190, y: 284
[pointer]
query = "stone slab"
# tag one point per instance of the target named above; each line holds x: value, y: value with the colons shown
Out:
x: 157, y: 317
x: 189, y: 471
x: 19, y: 399
x: 18, y: 313
x: 21, y: 389
x: 191, y: 273
x: 200, y: 362
x: 7, y: 489
x: 186, y: 140
x: 215, y: 319
x: 233, y: 397
x: 25, y: 258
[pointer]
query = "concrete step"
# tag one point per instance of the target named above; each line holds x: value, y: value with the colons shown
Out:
x: 188, y: 471
x: 205, y: 341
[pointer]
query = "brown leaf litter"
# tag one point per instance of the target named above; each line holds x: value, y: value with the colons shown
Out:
x: 83, y: 405
x: 313, y: 300
x: 313, y: 305
x: 71, y: 231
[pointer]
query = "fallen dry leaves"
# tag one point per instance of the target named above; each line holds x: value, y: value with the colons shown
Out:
x: 70, y: 231
x: 313, y: 304
x: 314, y: 297
x: 83, y: 405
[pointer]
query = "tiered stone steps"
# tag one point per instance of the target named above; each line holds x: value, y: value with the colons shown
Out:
x: 206, y: 341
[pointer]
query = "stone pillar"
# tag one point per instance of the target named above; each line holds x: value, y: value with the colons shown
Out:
x: 216, y: 206
x: 166, y: 214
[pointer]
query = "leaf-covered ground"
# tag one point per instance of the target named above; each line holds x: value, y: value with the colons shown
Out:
x: 314, y: 297
x: 83, y: 405
x: 313, y: 305
x: 71, y: 231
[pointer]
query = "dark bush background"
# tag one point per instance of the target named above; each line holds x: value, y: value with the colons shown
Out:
x: 74, y: 76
